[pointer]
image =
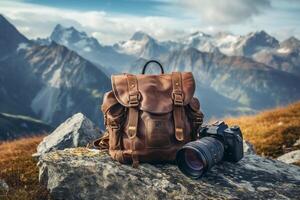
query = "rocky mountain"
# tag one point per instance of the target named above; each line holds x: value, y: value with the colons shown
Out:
x: 89, y: 48
x: 240, y: 79
x: 239, y: 74
x: 141, y: 45
x: 255, y: 42
x: 233, y: 85
x: 50, y: 82
x: 290, y: 44
x: 66, y: 78
x: 286, y: 57
x: 213, y: 103
x: 230, y: 44
x: 225, y: 42
x: 259, y: 45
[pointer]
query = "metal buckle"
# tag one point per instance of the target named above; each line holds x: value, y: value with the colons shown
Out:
x: 131, y: 132
x: 134, y: 100
x: 177, y: 99
x: 112, y: 124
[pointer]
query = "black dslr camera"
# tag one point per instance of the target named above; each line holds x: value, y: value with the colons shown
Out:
x: 217, y: 142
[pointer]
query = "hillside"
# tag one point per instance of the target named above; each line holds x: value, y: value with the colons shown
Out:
x: 19, y: 170
x: 15, y: 126
x: 47, y: 82
x: 272, y: 132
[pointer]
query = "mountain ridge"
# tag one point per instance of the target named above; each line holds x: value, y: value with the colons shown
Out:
x: 49, y: 81
x: 245, y: 84
x: 10, y: 37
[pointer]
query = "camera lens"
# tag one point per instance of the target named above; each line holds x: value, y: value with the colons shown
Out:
x: 192, y: 160
x: 195, y: 158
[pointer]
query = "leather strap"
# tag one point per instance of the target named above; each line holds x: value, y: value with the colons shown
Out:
x: 178, y: 98
x: 133, y: 101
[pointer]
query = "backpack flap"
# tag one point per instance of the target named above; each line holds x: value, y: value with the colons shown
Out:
x: 155, y: 91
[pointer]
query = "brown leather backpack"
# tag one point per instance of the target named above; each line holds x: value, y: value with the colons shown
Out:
x: 149, y: 117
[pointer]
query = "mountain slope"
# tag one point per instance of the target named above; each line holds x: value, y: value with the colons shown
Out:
x: 50, y: 82
x: 10, y: 38
x: 70, y: 83
x: 238, y: 78
x: 15, y: 126
x: 213, y: 104
x: 254, y: 42
x: 285, y: 58
x: 272, y: 132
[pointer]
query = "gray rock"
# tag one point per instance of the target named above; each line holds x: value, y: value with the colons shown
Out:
x: 248, y: 148
x: 291, y: 157
x: 297, y: 143
x: 76, y: 131
x: 3, y: 187
x: 82, y: 173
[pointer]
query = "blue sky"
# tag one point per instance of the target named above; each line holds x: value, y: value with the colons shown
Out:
x: 136, y: 7
x: 114, y: 20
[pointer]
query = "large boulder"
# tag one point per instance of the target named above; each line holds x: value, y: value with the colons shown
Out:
x: 81, y: 173
x: 76, y: 131
x: 291, y: 157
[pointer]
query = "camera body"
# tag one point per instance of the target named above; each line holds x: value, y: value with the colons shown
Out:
x: 230, y: 137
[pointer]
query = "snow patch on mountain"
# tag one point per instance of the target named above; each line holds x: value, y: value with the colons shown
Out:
x: 231, y: 44
x: 225, y: 42
x: 131, y: 47
x: 141, y: 45
x: 55, y: 80
x: 283, y: 50
x: 87, y: 49
x: 22, y: 46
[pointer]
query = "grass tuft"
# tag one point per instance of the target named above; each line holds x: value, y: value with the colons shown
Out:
x: 19, y: 170
x: 272, y: 132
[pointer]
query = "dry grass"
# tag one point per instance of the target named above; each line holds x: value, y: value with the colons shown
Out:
x: 19, y: 170
x: 272, y: 132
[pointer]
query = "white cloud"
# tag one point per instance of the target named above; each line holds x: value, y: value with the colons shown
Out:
x: 38, y: 21
x: 223, y: 12
x: 184, y: 17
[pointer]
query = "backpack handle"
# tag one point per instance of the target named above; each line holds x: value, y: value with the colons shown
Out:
x: 153, y: 61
